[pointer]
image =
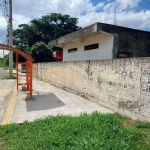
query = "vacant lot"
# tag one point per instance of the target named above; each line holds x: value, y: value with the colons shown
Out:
x: 86, y: 132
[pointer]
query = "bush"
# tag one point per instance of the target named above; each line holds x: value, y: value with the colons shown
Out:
x: 4, y: 62
x: 40, y: 52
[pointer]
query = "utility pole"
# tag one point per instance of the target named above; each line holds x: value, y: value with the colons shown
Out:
x: 3, y: 53
x: 10, y: 40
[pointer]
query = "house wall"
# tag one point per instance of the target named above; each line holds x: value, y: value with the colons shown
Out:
x: 106, y: 82
x: 135, y: 43
x: 105, y: 50
x: 128, y: 42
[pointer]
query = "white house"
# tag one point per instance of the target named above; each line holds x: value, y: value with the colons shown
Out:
x: 103, y: 41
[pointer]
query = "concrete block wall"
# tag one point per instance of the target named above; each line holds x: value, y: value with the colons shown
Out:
x: 106, y: 82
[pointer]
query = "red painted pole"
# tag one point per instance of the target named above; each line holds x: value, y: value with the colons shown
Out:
x: 27, y: 75
x: 30, y: 79
x: 17, y: 69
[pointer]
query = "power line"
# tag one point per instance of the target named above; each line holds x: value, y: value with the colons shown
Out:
x: 7, y: 13
x: 4, y: 9
x: 3, y: 13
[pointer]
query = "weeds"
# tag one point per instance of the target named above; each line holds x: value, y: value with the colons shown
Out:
x: 7, y: 77
x: 85, y: 132
x: 22, y: 71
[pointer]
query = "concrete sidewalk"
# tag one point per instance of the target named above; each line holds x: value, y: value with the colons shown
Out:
x: 50, y: 100
x: 3, y: 73
x: 6, y: 88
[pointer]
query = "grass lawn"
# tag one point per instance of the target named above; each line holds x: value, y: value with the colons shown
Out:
x: 86, y: 132
x: 22, y: 71
x: 7, y: 77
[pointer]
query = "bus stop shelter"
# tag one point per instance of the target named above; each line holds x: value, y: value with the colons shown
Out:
x: 28, y: 64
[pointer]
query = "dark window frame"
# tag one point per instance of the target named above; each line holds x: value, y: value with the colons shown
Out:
x: 91, y: 47
x: 72, y: 50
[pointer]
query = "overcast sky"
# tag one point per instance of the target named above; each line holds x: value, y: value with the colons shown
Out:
x: 130, y: 13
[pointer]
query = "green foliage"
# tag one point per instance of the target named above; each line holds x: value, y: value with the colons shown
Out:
x: 20, y: 58
x: 84, y: 132
x: 54, y: 48
x: 7, y: 77
x: 45, y: 29
x: 1, y: 63
x: 4, y: 62
x: 40, y: 52
x: 143, y: 125
x: 22, y: 71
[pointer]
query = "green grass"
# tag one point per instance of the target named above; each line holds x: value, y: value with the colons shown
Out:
x: 7, y: 77
x: 86, y: 132
x: 5, y: 67
x: 22, y: 71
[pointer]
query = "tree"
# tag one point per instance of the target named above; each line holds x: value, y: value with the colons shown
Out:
x: 55, y: 25
x: 25, y: 36
x: 46, y: 29
x: 4, y: 62
x: 40, y: 52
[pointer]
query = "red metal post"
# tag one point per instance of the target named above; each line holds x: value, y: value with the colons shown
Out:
x: 17, y: 69
x: 28, y: 66
x: 30, y: 79
x: 27, y: 75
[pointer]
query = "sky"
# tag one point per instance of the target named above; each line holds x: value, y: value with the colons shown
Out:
x: 129, y: 13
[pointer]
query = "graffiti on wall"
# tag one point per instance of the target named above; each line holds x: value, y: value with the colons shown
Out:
x: 110, y: 81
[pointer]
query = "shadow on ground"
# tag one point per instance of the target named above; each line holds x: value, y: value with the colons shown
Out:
x: 41, y: 101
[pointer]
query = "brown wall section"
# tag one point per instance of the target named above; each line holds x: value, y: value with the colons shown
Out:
x: 104, y: 81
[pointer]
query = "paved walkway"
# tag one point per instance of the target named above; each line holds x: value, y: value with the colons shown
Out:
x: 50, y: 100
x: 6, y: 88
x: 3, y: 73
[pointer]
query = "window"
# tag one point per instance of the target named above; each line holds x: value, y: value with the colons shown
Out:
x: 90, y: 47
x: 72, y: 50
x: 124, y: 55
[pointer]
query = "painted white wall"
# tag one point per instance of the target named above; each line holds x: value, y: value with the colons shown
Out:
x: 105, y: 50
